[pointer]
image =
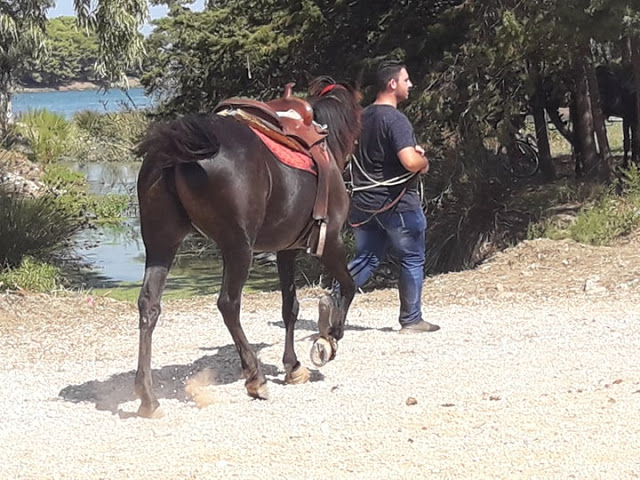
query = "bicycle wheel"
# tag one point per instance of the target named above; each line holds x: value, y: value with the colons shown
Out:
x: 526, y: 162
x: 530, y: 140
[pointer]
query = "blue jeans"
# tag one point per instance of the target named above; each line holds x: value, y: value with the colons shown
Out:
x: 405, y: 233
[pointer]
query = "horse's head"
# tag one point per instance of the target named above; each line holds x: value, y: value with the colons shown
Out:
x: 337, y: 105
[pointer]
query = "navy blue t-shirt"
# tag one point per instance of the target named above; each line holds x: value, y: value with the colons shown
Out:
x: 385, y: 131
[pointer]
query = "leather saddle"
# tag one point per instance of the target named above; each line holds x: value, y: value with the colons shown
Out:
x: 289, y: 121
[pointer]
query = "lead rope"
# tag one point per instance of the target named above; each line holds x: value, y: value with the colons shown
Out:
x: 391, y: 182
x: 399, y: 180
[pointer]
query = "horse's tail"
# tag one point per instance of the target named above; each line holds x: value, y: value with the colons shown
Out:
x: 185, y: 140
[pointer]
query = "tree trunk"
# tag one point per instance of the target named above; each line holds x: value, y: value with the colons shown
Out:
x: 5, y: 103
x: 605, y: 164
x: 635, y: 127
x: 560, y: 125
x: 542, y: 135
x: 586, y: 145
x: 576, y: 154
x: 542, y: 138
x: 625, y: 47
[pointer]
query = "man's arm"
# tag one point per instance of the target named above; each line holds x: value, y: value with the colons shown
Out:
x: 414, y: 159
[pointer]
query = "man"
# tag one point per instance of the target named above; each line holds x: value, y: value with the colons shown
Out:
x: 386, y: 208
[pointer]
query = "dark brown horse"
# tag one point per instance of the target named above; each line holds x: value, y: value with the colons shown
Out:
x: 212, y: 173
x: 618, y: 98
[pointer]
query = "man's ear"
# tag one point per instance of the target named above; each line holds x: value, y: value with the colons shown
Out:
x: 393, y: 84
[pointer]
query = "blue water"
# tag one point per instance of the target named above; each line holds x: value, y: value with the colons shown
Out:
x: 68, y: 103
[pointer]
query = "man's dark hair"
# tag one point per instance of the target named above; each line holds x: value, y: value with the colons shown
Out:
x: 386, y: 71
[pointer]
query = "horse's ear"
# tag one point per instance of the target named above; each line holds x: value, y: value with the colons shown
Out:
x: 359, y: 79
x: 307, y: 77
x: 357, y: 85
x: 354, y: 87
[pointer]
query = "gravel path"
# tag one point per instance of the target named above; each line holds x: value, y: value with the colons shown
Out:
x: 541, y: 384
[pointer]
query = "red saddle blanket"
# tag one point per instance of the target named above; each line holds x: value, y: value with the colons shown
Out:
x: 286, y: 155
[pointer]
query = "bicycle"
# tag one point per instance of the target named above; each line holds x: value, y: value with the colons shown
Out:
x: 524, y: 160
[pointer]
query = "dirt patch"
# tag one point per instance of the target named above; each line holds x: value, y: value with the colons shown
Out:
x: 544, y: 268
x: 533, y: 374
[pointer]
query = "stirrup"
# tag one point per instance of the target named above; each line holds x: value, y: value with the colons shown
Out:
x: 322, y: 237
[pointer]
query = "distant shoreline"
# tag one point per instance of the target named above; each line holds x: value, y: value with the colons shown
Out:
x: 72, y: 87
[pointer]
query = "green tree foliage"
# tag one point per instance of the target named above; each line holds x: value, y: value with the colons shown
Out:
x: 116, y: 24
x: 253, y: 47
x: 73, y: 52
x: 197, y: 58
x: 21, y: 37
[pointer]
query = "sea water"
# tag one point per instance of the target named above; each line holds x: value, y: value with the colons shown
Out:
x: 69, y: 102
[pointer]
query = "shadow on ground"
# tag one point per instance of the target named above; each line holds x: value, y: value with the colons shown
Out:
x: 169, y: 382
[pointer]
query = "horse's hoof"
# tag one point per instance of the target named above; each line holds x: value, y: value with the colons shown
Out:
x: 151, y: 412
x: 260, y: 393
x: 298, y: 375
x: 322, y: 351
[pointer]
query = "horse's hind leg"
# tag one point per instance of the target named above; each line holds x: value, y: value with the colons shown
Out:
x: 164, y: 225
x: 295, y: 373
x: 237, y: 256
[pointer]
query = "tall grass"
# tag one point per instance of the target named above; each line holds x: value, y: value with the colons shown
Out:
x: 32, y: 275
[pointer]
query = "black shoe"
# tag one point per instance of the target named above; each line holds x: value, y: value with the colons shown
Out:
x: 420, y: 327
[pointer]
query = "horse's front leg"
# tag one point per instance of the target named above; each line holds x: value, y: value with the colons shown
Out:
x: 333, y: 308
x: 295, y: 372
x: 237, y: 262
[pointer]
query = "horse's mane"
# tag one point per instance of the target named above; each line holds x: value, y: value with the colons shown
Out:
x: 339, y: 109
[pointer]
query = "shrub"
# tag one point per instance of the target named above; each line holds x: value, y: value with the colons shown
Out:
x: 47, y: 133
x: 110, y: 207
x: 605, y: 214
x: 614, y: 215
x: 108, y: 137
x: 72, y: 195
x: 32, y: 227
x: 609, y: 219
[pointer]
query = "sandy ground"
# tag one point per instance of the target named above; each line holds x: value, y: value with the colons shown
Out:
x: 534, y: 374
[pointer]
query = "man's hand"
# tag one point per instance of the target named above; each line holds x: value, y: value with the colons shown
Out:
x: 421, y: 151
